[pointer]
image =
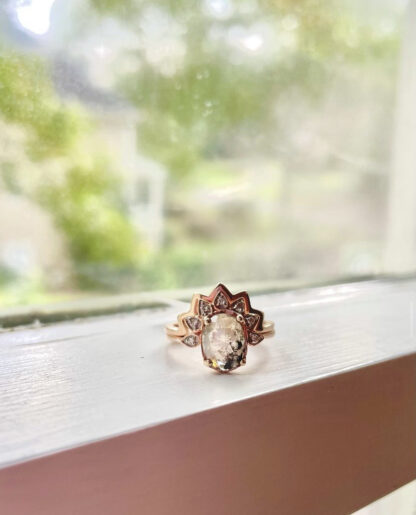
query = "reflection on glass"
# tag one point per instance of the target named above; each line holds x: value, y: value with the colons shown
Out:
x: 34, y: 15
x: 150, y: 144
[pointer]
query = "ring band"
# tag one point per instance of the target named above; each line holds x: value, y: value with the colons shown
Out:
x: 224, y: 324
x: 172, y: 330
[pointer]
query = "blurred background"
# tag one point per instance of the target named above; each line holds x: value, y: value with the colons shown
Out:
x: 148, y: 144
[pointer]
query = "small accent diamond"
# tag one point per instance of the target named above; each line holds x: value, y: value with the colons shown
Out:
x: 205, y: 308
x: 255, y: 338
x: 239, y: 306
x: 194, y: 323
x: 221, y: 301
x: 251, y: 320
x: 190, y: 341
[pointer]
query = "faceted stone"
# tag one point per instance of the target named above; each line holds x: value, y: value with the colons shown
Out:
x: 191, y: 340
x: 223, y: 343
x: 251, y: 320
x: 194, y: 323
x: 205, y: 308
x: 221, y: 301
x: 255, y: 338
x: 239, y: 306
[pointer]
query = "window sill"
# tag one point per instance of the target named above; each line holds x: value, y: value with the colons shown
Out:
x: 102, y: 415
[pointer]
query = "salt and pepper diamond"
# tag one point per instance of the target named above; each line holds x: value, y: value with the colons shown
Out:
x: 251, y: 320
x: 255, y: 338
x: 224, y: 325
x: 223, y: 343
x: 205, y: 308
x: 221, y: 301
x: 239, y: 306
x: 194, y: 323
x: 191, y: 340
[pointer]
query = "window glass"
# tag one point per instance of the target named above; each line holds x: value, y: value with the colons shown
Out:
x: 149, y: 144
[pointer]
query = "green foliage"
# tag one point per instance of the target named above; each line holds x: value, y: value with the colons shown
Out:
x: 211, y: 93
x: 177, y: 147
x: 84, y: 200
x: 177, y: 266
x: 27, y: 99
x: 88, y: 213
x: 214, y: 97
x: 120, y: 7
x: 21, y: 291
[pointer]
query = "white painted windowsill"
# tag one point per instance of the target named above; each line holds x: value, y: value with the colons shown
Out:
x: 104, y: 416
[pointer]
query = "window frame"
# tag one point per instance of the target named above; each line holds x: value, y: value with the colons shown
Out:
x: 338, y: 421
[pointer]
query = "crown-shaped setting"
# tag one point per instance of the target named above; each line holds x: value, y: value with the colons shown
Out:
x: 224, y: 324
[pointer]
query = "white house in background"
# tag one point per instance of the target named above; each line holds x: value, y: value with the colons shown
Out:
x: 143, y: 179
x: 115, y: 123
x: 82, y: 73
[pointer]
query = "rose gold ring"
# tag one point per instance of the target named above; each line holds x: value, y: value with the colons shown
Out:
x: 224, y: 325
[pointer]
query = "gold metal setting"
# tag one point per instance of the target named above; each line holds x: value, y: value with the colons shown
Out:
x: 190, y: 327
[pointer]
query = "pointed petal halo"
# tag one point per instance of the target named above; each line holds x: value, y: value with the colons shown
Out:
x: 191, y: 340
x: 194, y: 323
x: 251, y: 320
x: 239, y: 306
x: 221, y: 301
x: 205, y: 308
x: 255, y: 338
x: 210, y: 320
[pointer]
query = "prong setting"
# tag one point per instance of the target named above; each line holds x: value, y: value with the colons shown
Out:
x: 240, y: 318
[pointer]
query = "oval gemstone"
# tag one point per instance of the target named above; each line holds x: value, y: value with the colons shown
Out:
x: 223, y: 343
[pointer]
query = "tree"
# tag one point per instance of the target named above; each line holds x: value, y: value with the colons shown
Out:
x: 82, y: 191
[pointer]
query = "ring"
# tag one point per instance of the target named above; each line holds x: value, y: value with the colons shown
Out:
x: 224, y: 325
